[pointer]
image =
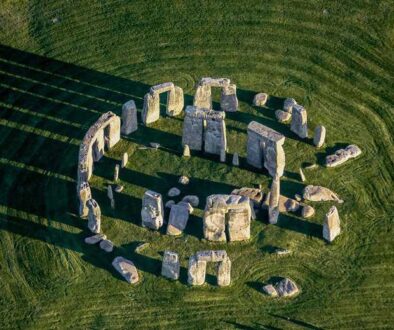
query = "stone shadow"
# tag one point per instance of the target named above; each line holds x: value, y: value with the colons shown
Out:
x: 286, y: 221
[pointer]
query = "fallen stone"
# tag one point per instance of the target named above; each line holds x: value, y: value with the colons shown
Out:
x: 270, y: 290
x: 331, y: 225
x: 119, y: 188
x: 184, y: 180
x: 320, y: 136
x: 141, y: 247
x: 288, y: 105
x: 186, y: 151
x: 286, y: 288
x: 125, y: 159
x: 307, y: 211
x: 95, y: 239
x: 254, y: 194
x: 173, y: 192
x: 260, y: 99
x: 342, y: 155
x: 154, y: 145
x: 170, y: 267
x: 192, y: 199
x: 320, y: 194
x: 235, y: 159
x: 297, y: 197
x: 282, y: 116
x: 311, y: 167
x: 169, y: 204
x: 302, y: 175
x: 285, y: 204
x: 126, y: 268
x: 282, y: 252
x: 106, y: 245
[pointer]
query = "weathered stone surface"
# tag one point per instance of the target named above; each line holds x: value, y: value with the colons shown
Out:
x: 94, y: 216
x: 288, y: 105
x: 151, y: 109
x: 285, y: 204
x: 106, y: 245
x: 110, y: 193
x: 273, y: 208
x: 307, y: 211
x: 184, y: 180
x: 235, y: 159
x: 298, y: 197
x: 215, y: 140
x: 203, y: 97
x: 186, y: 151
x: 228, y: 99
x: 187, y: 205
x: 299, y: 121
x: 286, y: 288
x: 224, y: 272
x: 175, y: 102
x: 270, y: 290
x: 152, y: 210
x: 264, y: 148
x: 84, y: 194
x: 118, y: 188
x: 254, y: 194
x: 342, y: 155
x: 320, y: 194
x: 98, y: 147
x: 170, y: 267
x: 116, y: 172
x: 331, y: 225
x: 95, y: 239
x: 260, y: 99
x: 282, y: 116
x: 211, y: 255
x: 196, y: 271
x: 238, y: 211
x: 129, y: 118
x: 173, y: 192
x: 179, y: 215
x: 192, y: 199
x: 125, y: 160
x: 193, y: 126
x: 320, y: 136
x: 169, y: 204
x: 302, y: 175
x: 126, y: 268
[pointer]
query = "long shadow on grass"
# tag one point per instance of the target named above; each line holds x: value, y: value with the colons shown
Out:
x: 307, y: 228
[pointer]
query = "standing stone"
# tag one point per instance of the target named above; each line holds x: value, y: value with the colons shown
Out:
x: 203, y: 97
x: 273, y: 210
x: 116, y: 172
x: 84, y: 194
x: 289, y: 104
x: 215, y: 224
x: 152, y: 210
x: 238, y: 224
x: 299, y: 121
x: 129, y: 118
x: 125, y: 159
x: 260, y: 99
x: 215, y: 141
x: 126, y: 268
x: 186, y: 151
x: 110, y: 193
x: 319, y: 136
x: 170, y: 267
x: 193, y: 127
x: 235, y: 159
x: 196, y: 271
x: 224, y: 272
x: 98, y: 146
x: 331, y: 225
x: 229, y: 100
x: 94, y: 216
x: 179, y: 215
x: 222, y: 155
x: 151, y: 109
x: 302, y: 175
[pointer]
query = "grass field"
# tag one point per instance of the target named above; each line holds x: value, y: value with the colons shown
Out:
x: 63, y: 63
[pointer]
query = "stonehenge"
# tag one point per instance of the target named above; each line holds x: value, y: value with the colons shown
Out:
x: 265, y: 148
x: 299, y: 121
x: 331, y: 225
x: 170, y: 267
x: 152, y: 212
x: 204, y: 129
x: 203, y: 95
x: 127, y: 269
x: 198, y: 264
x: 233, y: 210
x: 151, y: 109
x: 179, y: 215
x: 342, y: 155
x: 129, y: 118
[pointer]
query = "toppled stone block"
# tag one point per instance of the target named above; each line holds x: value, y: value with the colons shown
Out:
x: 255, y: 195
x: 179, y: 215
x: 260, y: 99
x: 265, y: 148
x: 173, y: 192
x: 286, y: 288
x: 95, y: 239
x: 94, y: 216
x: 193, y: 200
x: 106, y: 245
x: 270, y: 290
x: 129, y: 118
x: 299, y: 121
x: 126, y: 268
x: 342, y: 155
x: 307, y: 211
x: 152, y: 210
x: 282, y: 116
x: 285, y: 204
x: 331, y: 225
x: 288, y: 105
x: 320, y: 136
x: 320, y: 194
x: 170, y: 267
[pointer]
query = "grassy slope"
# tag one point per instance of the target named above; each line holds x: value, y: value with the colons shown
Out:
x: 337, y: 64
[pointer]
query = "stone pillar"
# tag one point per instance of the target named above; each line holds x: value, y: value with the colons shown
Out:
x: 84, y: 194
x: 203, y: 97
x: 214, y: 224
x: 215, y: 133
x: 179, y: 215
x: 125, y: 159
x: 113, y: 132
x: 98, y: 147
x: 196, y: 271
x: 239, y: 224
x: 151, y: 109
x: 170, y: 267
x: 299, y: 121
x: 193, y: 128
x: 273, y: 209
x: 94, y: 216
x: 319, y: 136
x: 224, y: 272
x: 229, y: 100
x: 175, y: 101
x: 288, y: 105
x: 152, y: 212
x: 116, y: 172
x: 129, y: 118
x: 331, y: 225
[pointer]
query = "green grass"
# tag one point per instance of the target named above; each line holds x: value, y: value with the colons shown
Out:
x: 57, y: 78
